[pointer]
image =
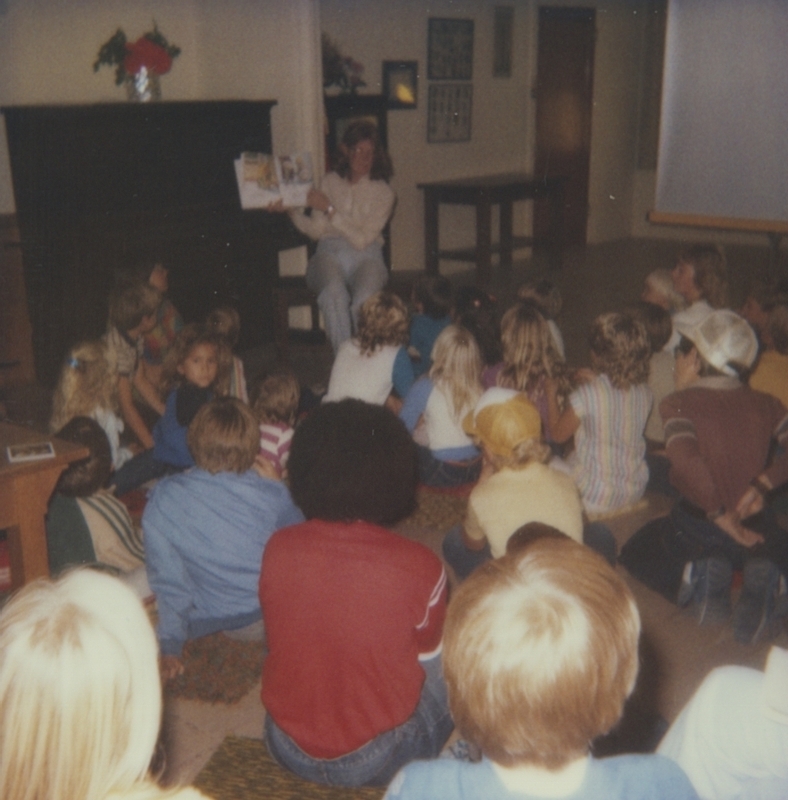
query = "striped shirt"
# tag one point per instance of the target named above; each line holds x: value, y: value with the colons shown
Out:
x: 608, y: 463
x: 275, y: 439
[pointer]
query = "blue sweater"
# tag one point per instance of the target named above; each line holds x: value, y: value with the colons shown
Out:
x: 204, y: 541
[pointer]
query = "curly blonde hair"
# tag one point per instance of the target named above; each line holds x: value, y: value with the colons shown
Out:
x: 382, y: 320
x: 620, y: 349
x: 456, y: 368
x: 530, y: 354
x: 87, y: 382
x: 189, y: 337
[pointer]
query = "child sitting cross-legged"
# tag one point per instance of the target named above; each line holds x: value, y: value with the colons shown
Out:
x: 436, y: 406
x: 540, y: 652
x: 376, y: 362
x: 516, y: 485
x: 276, y: 406
x: 206, y: 528
x: 607, y: 415
x: 431, y: 299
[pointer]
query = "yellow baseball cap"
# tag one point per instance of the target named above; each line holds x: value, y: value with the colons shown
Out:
x: 503, y: 419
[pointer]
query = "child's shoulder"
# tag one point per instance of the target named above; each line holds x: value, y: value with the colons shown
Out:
x: 447, y: 778
x: 638, y: 777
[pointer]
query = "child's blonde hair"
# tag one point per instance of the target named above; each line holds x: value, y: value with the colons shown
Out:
x: 224, y: 436
x: 80, y: 694
x: 456, y: 368
x: 529, y: 352
x: 276, y: 398
x: 226, y: 321
x: 382, y: 320
x: 540, y: 652
x: 660, y: 283
x: 620, y: 349
x: 87, y: 382
x: 189, y: 337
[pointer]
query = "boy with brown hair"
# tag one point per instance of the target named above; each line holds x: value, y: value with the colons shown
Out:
x: 206, y: 528
x: 540, y: 652
x: 132, y: 314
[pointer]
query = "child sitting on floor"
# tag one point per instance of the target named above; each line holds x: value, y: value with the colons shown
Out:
x: 376, y: 362
x: 432, y: 301
x: 771, y: 372
x: 516, y: 485
x: 607, y: 415
x: 546, y: 296
x: 85, y: 523
x: 226, y: 321
x: 477, y: 312
x: 132, y: 314
x: 197, y: 367
x: 540, y: 652
x: 276, y: 405
x: 437, y: 404
x: 530, y: 359
x: 206, y: 528
x: 86, y: 388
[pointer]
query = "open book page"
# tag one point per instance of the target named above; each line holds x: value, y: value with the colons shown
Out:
x: 265, y: 179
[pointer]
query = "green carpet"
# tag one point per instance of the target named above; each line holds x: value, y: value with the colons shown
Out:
x: 241, y: 769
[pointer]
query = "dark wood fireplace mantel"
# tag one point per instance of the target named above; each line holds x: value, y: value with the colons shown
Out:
x: 99, y: 186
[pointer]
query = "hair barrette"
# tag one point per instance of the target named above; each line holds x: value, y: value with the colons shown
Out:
x: 73, y: 362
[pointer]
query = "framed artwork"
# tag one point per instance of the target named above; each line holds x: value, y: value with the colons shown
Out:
x: 502, y: 41
x: 400, y: 83
x: 450, y: 49
x: 449, y: 112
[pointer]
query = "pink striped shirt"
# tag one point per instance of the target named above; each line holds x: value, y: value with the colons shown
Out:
x: 275, y: 439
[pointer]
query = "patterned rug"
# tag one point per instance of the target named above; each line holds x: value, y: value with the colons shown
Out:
x: 241, y: 769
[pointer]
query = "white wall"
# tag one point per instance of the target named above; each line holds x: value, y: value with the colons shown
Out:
x: 238, y: 49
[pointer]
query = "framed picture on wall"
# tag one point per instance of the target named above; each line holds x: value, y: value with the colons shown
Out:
x: 449, y: 112
x: 502, y: 41
x: 400, y: 83
x: 450, y: 49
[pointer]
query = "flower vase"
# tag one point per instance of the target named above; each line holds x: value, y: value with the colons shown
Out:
x: 143, y: 86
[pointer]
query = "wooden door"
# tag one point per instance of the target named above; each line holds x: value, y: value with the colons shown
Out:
x: 564, y: 93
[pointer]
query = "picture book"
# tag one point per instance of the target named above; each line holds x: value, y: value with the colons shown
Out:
x: 264, y: 179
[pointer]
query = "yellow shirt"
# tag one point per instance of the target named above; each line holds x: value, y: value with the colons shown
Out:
x: 771, y: 375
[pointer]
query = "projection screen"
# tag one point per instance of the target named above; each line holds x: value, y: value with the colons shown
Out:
x: 723, y: 141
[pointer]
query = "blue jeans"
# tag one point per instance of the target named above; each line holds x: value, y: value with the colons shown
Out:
x: 422, y: 736
x: 344, y: 278
x: 446, y: 474
x: 138, y: 470
x: 464, y: 561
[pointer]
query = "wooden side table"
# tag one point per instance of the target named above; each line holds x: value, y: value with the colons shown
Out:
x: 484, y: 192
x: 25, y: 489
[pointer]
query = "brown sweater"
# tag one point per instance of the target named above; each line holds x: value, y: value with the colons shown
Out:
x: 718, y: 435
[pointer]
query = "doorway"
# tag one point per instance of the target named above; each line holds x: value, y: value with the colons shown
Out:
x: 564, y: 95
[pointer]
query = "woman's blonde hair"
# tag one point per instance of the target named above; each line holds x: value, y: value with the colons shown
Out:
x: 620, y: 349
x: 80, y: 694
x: 540, y: 652
x: 87, y: 382
x: 456, y: 368
x: 189, y: 337
x: 382, y: 320
x: 529, y: 352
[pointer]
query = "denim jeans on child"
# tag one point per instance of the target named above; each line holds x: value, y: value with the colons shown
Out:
x: 422, y: 736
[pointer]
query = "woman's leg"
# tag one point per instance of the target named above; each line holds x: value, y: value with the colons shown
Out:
x: 368, y: 276
x: 326, y: 275
x: 461, y: 559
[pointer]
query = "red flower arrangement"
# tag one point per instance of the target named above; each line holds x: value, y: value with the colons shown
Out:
x: 151, y: 51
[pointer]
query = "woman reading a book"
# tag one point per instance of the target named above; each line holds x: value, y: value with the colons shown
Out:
x: 348, y: 214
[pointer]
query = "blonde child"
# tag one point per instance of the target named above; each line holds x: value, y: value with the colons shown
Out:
x: 431, y: 300
x: 132, y: 314
x: 516, y: 485
x: 607, y: 415
x: 276, y: 406
x: 376, y: 362
x: 86, y: 388
x: 196, y: 369
x: 436, y: 405
x: 540, y: 653
x: 80, y: 693
x: 530, y: 359
x: 546, y: 296
x: 226, y: 321
x: 658, y: 289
